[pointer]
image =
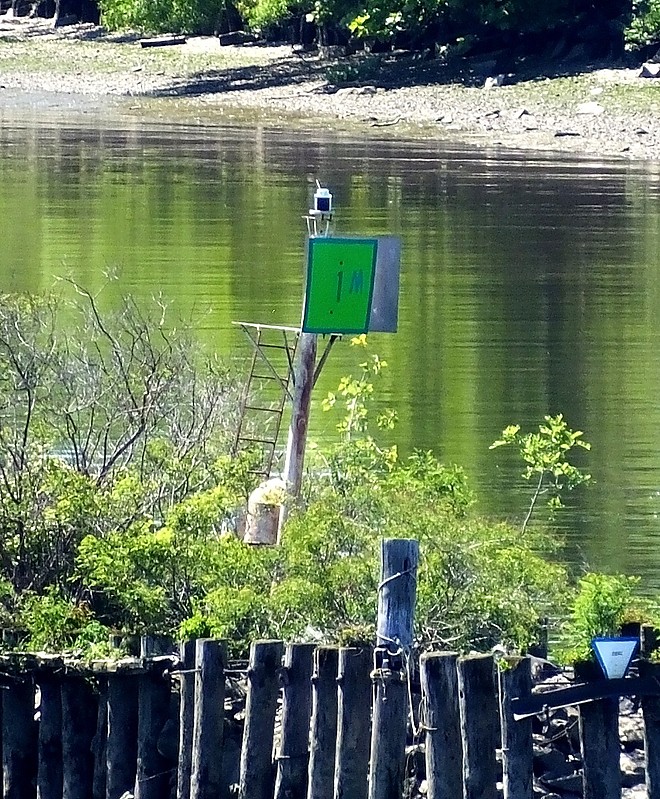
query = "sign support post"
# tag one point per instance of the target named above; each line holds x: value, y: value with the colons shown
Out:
x: 297, y: 439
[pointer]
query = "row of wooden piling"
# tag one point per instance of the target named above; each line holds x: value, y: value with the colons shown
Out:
x: 320, y: 723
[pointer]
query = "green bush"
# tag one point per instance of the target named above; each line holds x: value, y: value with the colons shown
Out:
x: 74, y: 462
x: 157, y: 16
x: 602, y: 604
x: 134, y: 536
x: 644, y: 28
x: 53, y: 622
x: 268, y: 16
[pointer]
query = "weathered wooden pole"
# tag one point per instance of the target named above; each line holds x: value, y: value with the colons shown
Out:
x: 442, y: 725
x: 79, y: 711
x: 152, y: 777
x: 257, y: 775
x: 154, y: 645
x: 324, y: 723
x: 353, y: 723
x: 49, y: 774
x: 186, y: 717
x: 122, y: 734
x: 600, y: 746
x: 293, y: 755
x: 396, y: 608
x: 651, y: 713
x: 480, y: 728
x: 19, y: 740
x: 517, y: 749
x: 208, y: 731
x: 100, y: 741
x: 302, y: 400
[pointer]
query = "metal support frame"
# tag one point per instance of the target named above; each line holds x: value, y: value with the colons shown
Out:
x: 259, y: 348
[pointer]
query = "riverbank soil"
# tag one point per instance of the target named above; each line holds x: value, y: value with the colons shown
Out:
x: 594, y: 109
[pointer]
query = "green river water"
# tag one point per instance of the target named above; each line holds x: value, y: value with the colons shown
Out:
x: 530, y: 283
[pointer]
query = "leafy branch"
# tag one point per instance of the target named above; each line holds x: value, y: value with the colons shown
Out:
x: 546, y: 455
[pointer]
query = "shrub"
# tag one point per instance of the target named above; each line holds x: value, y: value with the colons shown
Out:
x: 157, y: 16
x: 53, y: 622
x: 546, y: 454
x: 602, y: 604
x: 104, y: 421
x: 644, y: 29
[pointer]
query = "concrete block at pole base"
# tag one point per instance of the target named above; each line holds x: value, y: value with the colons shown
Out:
x: 264, y: 506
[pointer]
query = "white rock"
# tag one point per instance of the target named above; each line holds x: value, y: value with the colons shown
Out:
x: 649, y: 70
x: 594, y: 109
x: 492, y: 82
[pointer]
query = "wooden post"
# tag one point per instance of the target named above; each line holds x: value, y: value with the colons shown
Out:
x: 353, y: 723
x: 480, y: 729
x: 651, y: 713
x: 442, y: 725
x: 19, y: 740
x: 397, y: 592
x: 122, y: 734
x: 154, y: 645
x: 257, y: 776
x: 396, y: 608
x: 599, y: 743
x: 302, y: 400
x: 324, y: 723
x: 208, y: 730
x: 49, y: 774
x: 186, y: 717
x: 79, y: 710
x: 100, y: 741
x: 293, y: 755
x: 648, y: 640
x: 517, y: 750
x: 152, y: 777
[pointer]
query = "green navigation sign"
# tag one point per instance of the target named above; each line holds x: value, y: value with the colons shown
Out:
x: 340, y: 283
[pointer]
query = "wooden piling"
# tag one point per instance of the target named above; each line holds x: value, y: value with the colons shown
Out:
x: 122, y: 734
x: 651, y: 714
x: 152, y: 776
x: 208, y: 729
x: 388, y: 736
x: 515, y: 680
x: 599, y: 743
x: 480, y: 729
x: 257, y: 774
x: 353, y: 723
x: 186, y: 717
x: 397, y: 592
x: 154, y: 645
x: 100, y: 740
x: 396, y: 608
x: 293, y: 755
x: 442, y: 725
x: 49, y: 773
x: 79, y: 711
x: 19, y: 740
x: 324, y: 723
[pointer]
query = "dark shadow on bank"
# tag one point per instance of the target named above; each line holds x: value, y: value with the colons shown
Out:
x: 397, y: 69
x: 285, y: 72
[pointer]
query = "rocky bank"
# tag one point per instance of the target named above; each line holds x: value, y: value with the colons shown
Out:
x: 594, y: 109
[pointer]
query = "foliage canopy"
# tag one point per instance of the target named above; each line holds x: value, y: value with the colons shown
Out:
x: 117, y: 501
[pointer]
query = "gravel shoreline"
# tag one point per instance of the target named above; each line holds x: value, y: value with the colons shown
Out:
x: 599, y: 112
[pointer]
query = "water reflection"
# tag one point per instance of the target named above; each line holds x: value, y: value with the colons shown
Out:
x: 529, y: 283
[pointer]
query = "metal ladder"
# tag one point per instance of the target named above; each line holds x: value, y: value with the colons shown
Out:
x: 266, y: 391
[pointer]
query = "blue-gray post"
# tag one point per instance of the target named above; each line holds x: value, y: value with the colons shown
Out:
x: 397, y: 592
